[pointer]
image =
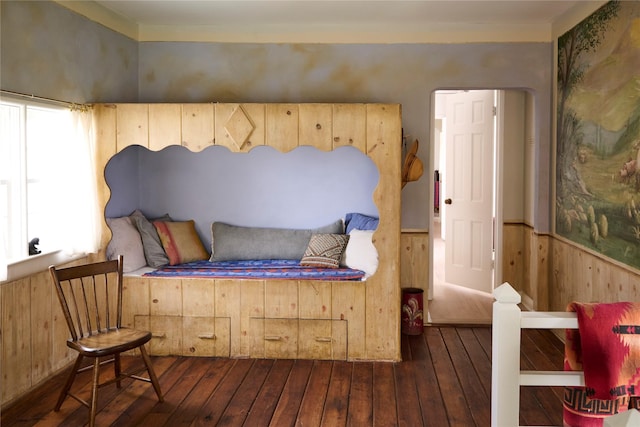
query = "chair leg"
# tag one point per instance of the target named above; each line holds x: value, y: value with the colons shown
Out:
x: 94, y: 392
x: 152, y: 374
x: 67, y: 385
x: 117, y: 369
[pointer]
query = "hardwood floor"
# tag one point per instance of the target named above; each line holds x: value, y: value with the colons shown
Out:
x: 443, y: 380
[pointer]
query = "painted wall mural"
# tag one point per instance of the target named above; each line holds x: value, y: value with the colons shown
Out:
x: 598, y: 132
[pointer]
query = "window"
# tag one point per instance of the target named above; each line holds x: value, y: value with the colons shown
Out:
x: 33, y: 139
x: 45, y: 174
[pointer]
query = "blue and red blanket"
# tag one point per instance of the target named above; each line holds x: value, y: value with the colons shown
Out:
x: 255, y: 269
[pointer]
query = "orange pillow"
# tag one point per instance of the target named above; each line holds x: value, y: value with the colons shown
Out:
x: 180, y: 241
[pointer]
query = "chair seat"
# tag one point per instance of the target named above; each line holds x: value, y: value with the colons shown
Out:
x: 109, y: 342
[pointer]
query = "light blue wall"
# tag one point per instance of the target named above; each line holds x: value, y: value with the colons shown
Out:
x: 207, y: 186
x: 83, y: 61
x: 123, y: 177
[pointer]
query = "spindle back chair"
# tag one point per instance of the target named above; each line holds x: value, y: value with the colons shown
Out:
x: 91, y: 300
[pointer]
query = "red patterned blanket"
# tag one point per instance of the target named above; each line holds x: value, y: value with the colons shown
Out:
x: 606, y: 346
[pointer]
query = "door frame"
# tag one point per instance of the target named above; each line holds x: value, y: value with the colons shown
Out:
x: 498, y: 186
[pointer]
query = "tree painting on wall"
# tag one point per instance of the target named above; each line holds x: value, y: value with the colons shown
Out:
x: 598, y: 132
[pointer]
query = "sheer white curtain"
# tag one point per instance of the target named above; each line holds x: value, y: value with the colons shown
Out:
x: 79, y: 212
x: 58, y: 181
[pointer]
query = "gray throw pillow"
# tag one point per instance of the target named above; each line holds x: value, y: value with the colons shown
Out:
x: 153, y: 250
x: 231, y: 242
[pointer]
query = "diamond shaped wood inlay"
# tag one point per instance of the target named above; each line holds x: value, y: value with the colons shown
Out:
x: 239, y: 127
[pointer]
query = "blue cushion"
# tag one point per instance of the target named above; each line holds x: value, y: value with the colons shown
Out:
x: 360, y: 221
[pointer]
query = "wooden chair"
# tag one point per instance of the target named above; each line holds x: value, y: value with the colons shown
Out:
x: 91, y: 299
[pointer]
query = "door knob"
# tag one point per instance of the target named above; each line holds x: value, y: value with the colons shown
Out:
x: 447, y: 201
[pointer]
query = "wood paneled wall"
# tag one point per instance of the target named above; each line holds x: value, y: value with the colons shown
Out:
x: 525, y: 263
x: 414, y: 263
x: 33, y: 334
x: 551, y: 271
x: 578, y: 274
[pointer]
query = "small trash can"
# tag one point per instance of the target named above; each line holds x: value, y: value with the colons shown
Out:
x: 412, y: 317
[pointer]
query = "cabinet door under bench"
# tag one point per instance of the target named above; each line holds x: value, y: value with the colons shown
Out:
x: 322, y: 339
x: 187, y: 336
x: 166, y: 334
x: 206, y: 336
x: 299, y: 339
x: 280, y: 338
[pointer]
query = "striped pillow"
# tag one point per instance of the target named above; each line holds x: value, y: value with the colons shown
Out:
x: 180, y: 241
x: 325, y: 250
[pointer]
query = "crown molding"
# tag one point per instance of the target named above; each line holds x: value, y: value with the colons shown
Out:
x: 100, y: 14
x: 439, y: 33
x: 363, y: 33
x: 573, y: 16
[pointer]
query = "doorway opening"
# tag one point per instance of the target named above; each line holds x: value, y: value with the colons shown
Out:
x: 467, y: 162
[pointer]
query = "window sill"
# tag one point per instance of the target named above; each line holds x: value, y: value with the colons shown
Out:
x: 37, y: 264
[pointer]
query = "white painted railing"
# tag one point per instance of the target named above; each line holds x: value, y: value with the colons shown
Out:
x: 506, y: 376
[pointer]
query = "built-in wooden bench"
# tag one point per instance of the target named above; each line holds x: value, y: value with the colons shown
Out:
x: 256, y: 318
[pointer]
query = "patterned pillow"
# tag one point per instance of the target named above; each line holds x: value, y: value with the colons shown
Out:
x: 180, y: 241
x: 325, y: 250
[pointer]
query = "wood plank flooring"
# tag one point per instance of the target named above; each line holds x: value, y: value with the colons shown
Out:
x: 443, y: 380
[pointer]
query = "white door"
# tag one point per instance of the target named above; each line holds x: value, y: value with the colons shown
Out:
x: 468, y: 201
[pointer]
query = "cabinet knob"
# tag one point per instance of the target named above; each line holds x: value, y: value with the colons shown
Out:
x: 447, y: 201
